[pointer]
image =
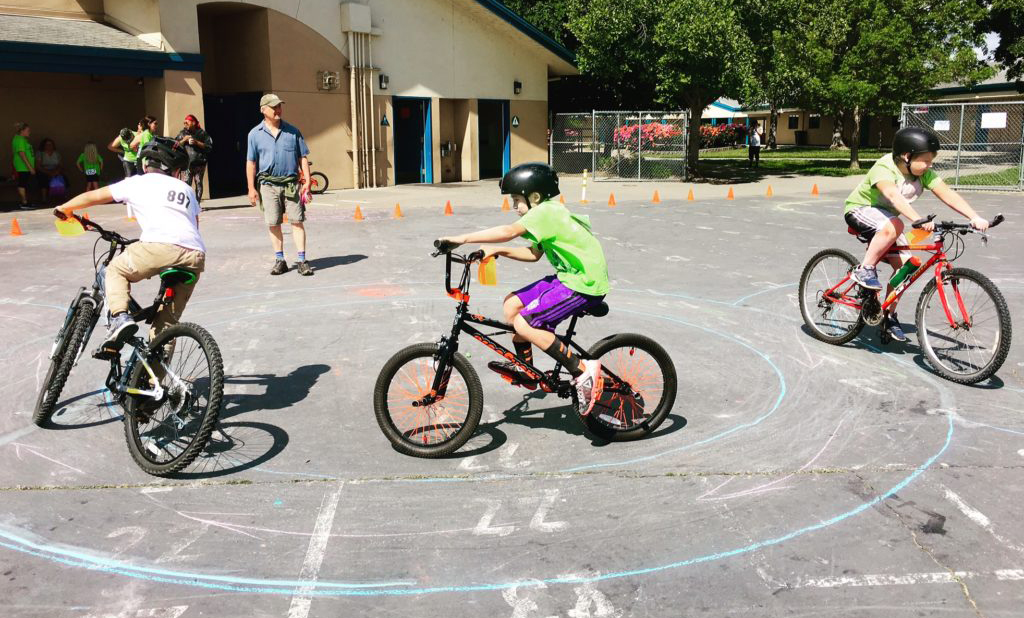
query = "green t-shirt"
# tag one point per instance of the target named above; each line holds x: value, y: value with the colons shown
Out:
x: 570, y: 246
x: 866, y: 194
x: 91, y: 169
x: 20, y: 144
x: 128, y: 154
x: 146, y: 138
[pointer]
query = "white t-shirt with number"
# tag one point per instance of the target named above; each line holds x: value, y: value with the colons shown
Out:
x: 166, y: 208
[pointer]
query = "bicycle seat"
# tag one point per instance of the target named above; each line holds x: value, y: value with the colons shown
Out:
x: 598, y: 311
x: 174, y: 276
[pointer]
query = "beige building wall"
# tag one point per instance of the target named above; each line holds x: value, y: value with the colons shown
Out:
x: 529, y: 139
x: 468, y: 131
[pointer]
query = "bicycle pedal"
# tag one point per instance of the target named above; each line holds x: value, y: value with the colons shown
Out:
x: 105, y: 353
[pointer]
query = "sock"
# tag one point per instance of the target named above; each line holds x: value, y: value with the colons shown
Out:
x: 302, y: 256
x: 279, y: 255
x: 564, y: 355
x: 524, y: 350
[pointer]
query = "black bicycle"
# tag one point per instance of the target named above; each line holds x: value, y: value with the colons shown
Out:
x: 170, y: 388
x: 428, y: 398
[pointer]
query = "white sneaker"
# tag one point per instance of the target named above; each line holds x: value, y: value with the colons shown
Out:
x: 589, y: 386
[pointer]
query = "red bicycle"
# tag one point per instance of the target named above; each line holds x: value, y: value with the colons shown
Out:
x: 963, y: 323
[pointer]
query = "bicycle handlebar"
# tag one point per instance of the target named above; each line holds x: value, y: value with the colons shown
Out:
x: 108, y: 235
x: 952, y: 226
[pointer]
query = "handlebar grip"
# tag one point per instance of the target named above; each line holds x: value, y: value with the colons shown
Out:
x: 445, y: 246
x: 922, y: 221
x: 997, y: 220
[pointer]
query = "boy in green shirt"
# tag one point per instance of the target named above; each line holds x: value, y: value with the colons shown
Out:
x: 873, y: 209
x: 580, y: 281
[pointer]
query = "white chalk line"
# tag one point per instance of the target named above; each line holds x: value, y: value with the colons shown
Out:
x: 908, y: 579
x: 303, y: 598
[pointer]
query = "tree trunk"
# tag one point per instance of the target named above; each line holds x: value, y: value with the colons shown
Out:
x: 693, y: 148
x: 773, y: 127
x: 855, y: 139
x: 837, y: 132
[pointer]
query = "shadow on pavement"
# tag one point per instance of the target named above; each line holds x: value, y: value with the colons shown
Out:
x: 338, y: 260
x: 280, y: 392
x: 234, y: 447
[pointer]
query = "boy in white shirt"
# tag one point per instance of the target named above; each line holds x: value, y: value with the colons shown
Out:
x: 168, y: 213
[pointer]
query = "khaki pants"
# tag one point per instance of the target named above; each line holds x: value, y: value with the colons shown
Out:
x: 143, y: 260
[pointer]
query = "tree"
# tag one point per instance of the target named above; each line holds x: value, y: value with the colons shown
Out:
x: 696, y: 50
x: 1006, y: 18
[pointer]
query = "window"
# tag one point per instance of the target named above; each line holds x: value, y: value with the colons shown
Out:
x: 794, y: 122
x: 814, y: 121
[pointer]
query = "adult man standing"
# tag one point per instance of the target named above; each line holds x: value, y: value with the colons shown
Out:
x: 276, y: 153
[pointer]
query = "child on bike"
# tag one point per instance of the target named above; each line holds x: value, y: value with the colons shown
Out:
x: 168, y: 213
x: 579, y: 283
x: 873, y: 209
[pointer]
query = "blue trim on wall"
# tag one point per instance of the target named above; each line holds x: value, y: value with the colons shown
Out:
x: 428, y: 145
x: 506, y: 157
x: 510, y: 16
x: 728, y: 108
x: 50, y: 58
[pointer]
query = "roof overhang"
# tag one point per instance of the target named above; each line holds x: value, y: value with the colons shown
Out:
x: 50, y: 58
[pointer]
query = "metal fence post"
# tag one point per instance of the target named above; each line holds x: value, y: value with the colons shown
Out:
x: 593, y: 140
x: 1020, y: 174
x: 959, y: 146
x: 903, y: 115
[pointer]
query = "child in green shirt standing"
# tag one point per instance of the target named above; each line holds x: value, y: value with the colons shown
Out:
x: 91, y: 164
x: 580, y: 281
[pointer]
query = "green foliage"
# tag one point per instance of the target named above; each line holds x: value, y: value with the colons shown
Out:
x: 1006, y: 18
x: 549, y: 16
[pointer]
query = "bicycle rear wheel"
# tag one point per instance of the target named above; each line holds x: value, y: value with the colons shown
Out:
x: 317, y: 183
x: 69, y: 342
x: 827, y: 319
x: 165, y: 436
x: 975, y: 347
x: 639, y: 388
x: 432, y: 430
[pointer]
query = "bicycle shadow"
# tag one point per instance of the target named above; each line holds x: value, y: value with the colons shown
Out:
x: 279, y: 392
x: 234, y: 447
x: 77, y: 413
x: 338, y: 260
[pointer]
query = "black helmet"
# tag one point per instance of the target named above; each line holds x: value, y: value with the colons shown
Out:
x: 530, y: 178
x: 163, y: 153
x: 915, y: 140
x: 125, y: 134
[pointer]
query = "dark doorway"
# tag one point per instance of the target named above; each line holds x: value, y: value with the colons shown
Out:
x: 228, y: 119
x: 494, y: 138
x: 414, y: 159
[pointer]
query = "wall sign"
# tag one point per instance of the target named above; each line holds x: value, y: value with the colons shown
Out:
x: 515, y: 122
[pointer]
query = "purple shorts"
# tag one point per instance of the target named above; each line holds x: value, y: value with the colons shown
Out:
x: 547, y: 302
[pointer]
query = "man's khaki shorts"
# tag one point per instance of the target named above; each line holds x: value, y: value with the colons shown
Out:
x: 275, y: 204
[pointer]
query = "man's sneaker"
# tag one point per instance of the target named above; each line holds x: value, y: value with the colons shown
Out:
x: 280, y: 268
x: 304, y: 268
x: 589, y: 385
x: 122, y: 328
x: 26, y: 206
x: 512, y: 374
x: 866, y: 276
x: 892, y: 326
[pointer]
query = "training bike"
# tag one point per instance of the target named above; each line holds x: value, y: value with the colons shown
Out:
x: 963, y: 323
x: 317, y: 181
x: 170, y: 388
x: 428, y: 398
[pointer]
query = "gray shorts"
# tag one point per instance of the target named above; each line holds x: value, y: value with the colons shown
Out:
x: 275, y: 204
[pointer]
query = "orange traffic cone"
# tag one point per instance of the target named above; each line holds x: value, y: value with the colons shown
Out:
x: 448, y: 209
x: 657, y: 198
x: 731, y: 195
x: 611, y: 200
x: 689, y: 196
x: 15, y: 228
x: 814, y: 190
x: 769, y: 193
x: 561, y: 198
x: 504, y: 205
x: 398, y: 211
x: 359, y: 214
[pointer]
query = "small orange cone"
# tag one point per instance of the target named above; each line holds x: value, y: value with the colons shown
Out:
x: 504, y: 205
x: 769, y: 193
x: 814, y: 190
x: 398, y: 211
x: 359, y: 214
x: 130, y: 219
x: 731, y: 195
x: 15, y: 228
x: 284, y: 218
x: 448, y: 209
x: 611, y: 200
x: 689, y: 196
x: 561, y: 198
x: 657, y: 198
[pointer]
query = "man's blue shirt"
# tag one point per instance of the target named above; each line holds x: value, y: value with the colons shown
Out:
x: 276, y: 156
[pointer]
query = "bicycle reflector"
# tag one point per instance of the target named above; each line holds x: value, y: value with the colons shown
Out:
x: 69, y: 227
x: 487, y: 272
x: 918, y: 236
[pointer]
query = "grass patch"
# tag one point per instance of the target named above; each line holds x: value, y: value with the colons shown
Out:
x: 1006, y: 177
x: 737, y: 171
x: 864, y: 154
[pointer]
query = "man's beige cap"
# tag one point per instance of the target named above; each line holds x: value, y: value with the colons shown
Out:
x: 270, y: 100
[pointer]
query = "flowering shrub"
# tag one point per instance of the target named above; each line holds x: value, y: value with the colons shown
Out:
x: 653, y: 135
x: 721, y: 135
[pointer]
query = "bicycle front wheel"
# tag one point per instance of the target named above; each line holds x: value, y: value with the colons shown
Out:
x: 639, y: 388
x: 974, y: 345
x: 66, y: 352
x: 827, y: 317
x: 164, y: 436
x: 317, y: 183
x: 430, y: 430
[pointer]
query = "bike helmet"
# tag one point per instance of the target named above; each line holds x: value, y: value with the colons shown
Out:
x: 915, y: 140
x: 163, y: 153
x: 529, y: 178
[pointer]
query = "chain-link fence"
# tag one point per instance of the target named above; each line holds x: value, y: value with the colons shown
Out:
x: 982, y: 143
x: 621, y: 145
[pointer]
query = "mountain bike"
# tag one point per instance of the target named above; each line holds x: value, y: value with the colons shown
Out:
x: 170, y: 388
x: 428, y: 398
x: 963, y: 323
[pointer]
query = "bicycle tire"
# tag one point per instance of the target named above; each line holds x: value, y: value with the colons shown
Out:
x: 62, y: 363
x: 403, y: 441
x: 806, y: 311
x: 136, y: 410
x: 318, y: 180
x: 1003, y: 336
x: 610, y: 405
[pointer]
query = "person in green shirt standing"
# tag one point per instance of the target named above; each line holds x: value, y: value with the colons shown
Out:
x: 147, y: 129
x: 873, y: 209
x: 122, y: 146
x: 24, y: 161
x: 91, y: 164
x: 580, y: 281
